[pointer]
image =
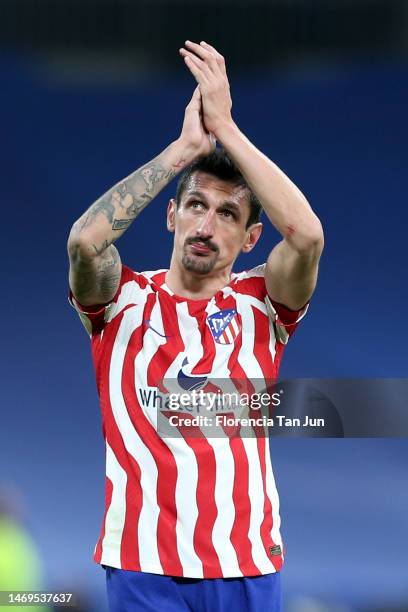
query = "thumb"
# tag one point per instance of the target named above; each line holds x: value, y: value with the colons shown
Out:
x: 195, y: 101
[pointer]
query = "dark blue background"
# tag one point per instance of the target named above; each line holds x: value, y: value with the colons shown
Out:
x: 340, y: 134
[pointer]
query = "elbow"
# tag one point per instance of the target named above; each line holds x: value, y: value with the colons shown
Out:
x: 79, y: 245
x: 310, y: 242
x: 316, y: 238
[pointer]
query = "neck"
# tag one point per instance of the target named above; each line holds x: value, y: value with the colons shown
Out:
x: 196, y: 286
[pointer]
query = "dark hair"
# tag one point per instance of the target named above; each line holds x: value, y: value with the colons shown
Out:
x: 220, y: 165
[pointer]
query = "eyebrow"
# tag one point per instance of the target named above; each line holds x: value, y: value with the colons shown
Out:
x: 202, y: 196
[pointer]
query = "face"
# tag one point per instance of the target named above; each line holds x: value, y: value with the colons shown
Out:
x: 210, y: 224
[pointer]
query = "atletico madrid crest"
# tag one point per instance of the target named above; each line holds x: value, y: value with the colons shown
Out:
x: 224, y: 326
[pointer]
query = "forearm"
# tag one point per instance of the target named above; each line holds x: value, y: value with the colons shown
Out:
x: 284, y: 204
x: 113, y: 213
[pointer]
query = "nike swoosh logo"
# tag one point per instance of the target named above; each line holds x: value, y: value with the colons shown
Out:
x: 147, y: 322
x: 190, y: 382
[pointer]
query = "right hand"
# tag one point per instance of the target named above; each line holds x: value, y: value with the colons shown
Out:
x: 193, y: 134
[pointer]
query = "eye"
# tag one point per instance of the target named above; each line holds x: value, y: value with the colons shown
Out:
x: 195, y: 204
x: 228, y: 213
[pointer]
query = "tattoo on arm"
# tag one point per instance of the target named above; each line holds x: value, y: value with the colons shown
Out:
x: 151, y: 175
x: 108, y: 274
x: 133, y: 194
x: 100, y: 250
x: 123, y: 203
x: 119, y: 224
x: 98, y: 280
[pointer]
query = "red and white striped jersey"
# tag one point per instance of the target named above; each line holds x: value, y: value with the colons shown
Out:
x: 193, y: 507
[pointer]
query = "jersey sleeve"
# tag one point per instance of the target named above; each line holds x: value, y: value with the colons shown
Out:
x: 285, y: 320
x: 95, y: 317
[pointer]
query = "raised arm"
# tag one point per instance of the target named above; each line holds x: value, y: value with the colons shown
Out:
x: 95, y: 265
x: 291, y: 270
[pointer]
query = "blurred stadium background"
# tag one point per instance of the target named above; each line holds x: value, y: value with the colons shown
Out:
x: 91, y: 89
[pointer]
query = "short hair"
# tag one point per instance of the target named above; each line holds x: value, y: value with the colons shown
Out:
x: 219, y: 164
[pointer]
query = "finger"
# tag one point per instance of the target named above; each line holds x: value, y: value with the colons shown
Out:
x: 199, y: 62
x: 195, y: 70
x: 207, y: 55
x: 199, y: 50
x: 192, y: 59
x: 220, y: 58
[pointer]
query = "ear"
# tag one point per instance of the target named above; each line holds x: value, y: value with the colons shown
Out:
x: 253, y: 234
x: 171, y: 213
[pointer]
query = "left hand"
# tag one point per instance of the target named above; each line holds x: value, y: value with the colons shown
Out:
x: 208, y: 68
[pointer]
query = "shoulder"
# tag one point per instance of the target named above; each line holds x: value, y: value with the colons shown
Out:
x: 147, y: 277
x: 155, y: 277
x: 250, y: 282
x: 257, y: 272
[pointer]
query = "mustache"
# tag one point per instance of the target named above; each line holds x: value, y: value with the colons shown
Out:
x: 208, y: 243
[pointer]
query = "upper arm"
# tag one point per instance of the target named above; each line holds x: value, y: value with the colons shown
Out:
x: 290, y: 275
x: 94, y: 279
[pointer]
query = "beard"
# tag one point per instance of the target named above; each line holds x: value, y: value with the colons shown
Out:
x: 199, y: 264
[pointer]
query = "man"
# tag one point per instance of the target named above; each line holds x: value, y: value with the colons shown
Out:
x: 192, y: 523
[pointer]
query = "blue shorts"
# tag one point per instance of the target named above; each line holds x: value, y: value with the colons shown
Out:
x: 130, y: 591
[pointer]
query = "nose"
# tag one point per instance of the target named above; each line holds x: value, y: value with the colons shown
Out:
x: 206, y: 227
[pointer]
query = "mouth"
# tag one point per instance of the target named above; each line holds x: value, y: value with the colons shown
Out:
x: 199, y: 248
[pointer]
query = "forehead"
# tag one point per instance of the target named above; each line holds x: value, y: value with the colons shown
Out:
x: 213, y: 187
